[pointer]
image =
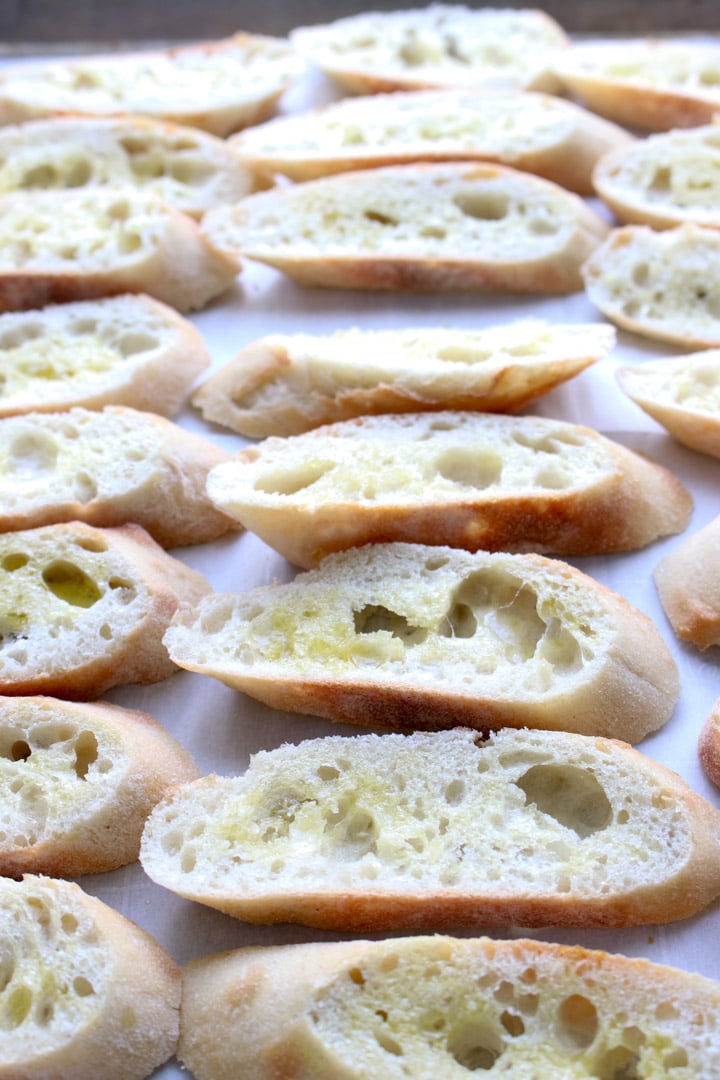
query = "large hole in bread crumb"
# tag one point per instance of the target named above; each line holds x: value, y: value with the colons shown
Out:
x: 485, y: 205
x: 71, y: 584
x: 570, y: 795
x: 290, y: 480
x: 471, y: 468
x: 577, y: 1022
x: 618, y: 1064
x: 374, y: 618
x: 32, y: 454
x: 86, y: 752
x: 474, y: 1044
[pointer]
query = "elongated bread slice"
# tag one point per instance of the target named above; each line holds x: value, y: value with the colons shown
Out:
x: 82, y: 244
x: 107, y: 468
x: 219, y: 86
x: 688, y: 584
x: 431, y: 831
x: 77, y: 782
x: 663, y: 285
x: 664, y: 180
x: 416, y: 227
x: 468, y: 480
x: 681, y: 393
x: 440, y: 45
x: 284, y: 384
x: 412, y: 637
x: 85, y: 992
x: 650, y: 84
x: 438, y: 1006
x: 538, y: 133
x: 709, y: 745
x: 123, y: 350
x: 185, y: 167
x: 84, y: 609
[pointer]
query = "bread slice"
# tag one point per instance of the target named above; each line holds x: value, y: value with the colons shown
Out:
x: 81, y: 244
x: 416, y: 227
x: 468, y: 480
x: 411, y: 637
x: 665, y: 179
x: 107, y: 468
x: 709, y: 745
x: 84, y: 609
x: 85, y: 992
x: 77, y: 783
x: 441, y: 45
x: 438, y: 1006
x: 688, y: 583
x: 127, y: 350
x: 659, y: 284
x: 285, y: 384
x: 650, y: 84
x: 439, y: 830
x: 219, y: 86
x: 537, y: 133
x: 683, y: 394
x: 185, y: 167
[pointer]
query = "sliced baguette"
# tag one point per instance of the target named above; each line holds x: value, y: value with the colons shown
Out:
x: 411, y: 637
x: 688, y: 584
x: 533, y: 132
x: 662, y: 285
x: 709, y: 745
x: 123, y: 350
x: 84, y: 609
x: 284, y: 384
x: 664, y: 180
x: 437, y: 1006
x: 441, y: 45
x: 416, y: 227
x: 185, y: 167
x: 650, y: 84
x: 681, y: 393
x: 219, y: 86
x: 85, y: 992
x: 82, y: 244
x: 468, y: 480
x: 77, y: 783
x: 108, y: 468
x: 434, y: 831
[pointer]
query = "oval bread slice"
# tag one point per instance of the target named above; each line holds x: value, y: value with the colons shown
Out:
x: 649, y: 84
x: 688, y: 584
x: 468, y: 480
x: 709, y: 745
x: 416, y: 227
x: 108, y: 468
x: 121, y: 350
x: 438, y: 1006
x: 84, y: 609
x: 663, y: 285
x: 219, y: 86
x: 664, y: 180
x: 185, y: 167
x: 284, y: 384
x: 410, y: 637
x: 80, y: 244
x: 537, y: 133
x: 82, y: 987
x: 383, y: 832
x: 441, y: 45
x: 77, y: 782
x: 681, y: 393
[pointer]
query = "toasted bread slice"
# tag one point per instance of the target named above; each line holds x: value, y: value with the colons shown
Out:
x: 688, y: 583
x: 411, y: 637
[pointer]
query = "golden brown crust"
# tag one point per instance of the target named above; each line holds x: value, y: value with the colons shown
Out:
x: 688, y: 584
x: 709, y: 745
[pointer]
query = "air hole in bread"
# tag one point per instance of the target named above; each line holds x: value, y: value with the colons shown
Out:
x: 15, y: 561
x: 470, y: 468
x: 136, y: 342
x: 676, y: 1059
x: 191, y: 171
x: 577, y: 1022
x: 474, y: 1044
x: 32, y: 454
x: 374, y: 618
x: 436, y: 562
x: 20, y: 750
x: 85, y: 487
x: 506, y: 607
x: 661, y: 180
x: 619, y: 1063
x: 554, y: 477
x: 18, y: 1006
x: 289, y: 481
x: 641, y: 273
x: 433, y: 232
x: 513, y: 1024
x: 432, y: 1020
x: 386, y: 1041
x: 119, y: 210
x: 379, y: 217
x: 709, y: 77
x: 570, y: 795
x: 71, y: 584
x: 41, y: 176
x: 455, y: 792
x: 82, y: 986
x: 484, y: 205
x: 129, y: 242
x: 95, y: 543
x: 68, y: 923
x: 18, y: 336
x: 86, y: 752
x: 327, y: 773
x: 543, y: 227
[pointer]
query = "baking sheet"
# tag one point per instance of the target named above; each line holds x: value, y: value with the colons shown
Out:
x: 222, y: 728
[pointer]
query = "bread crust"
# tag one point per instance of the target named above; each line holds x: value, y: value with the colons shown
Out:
x: 709, y: 745
x: 466, y: 480
x: 688, y: 584
x: 416, y: 228
x: 126, y: 757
